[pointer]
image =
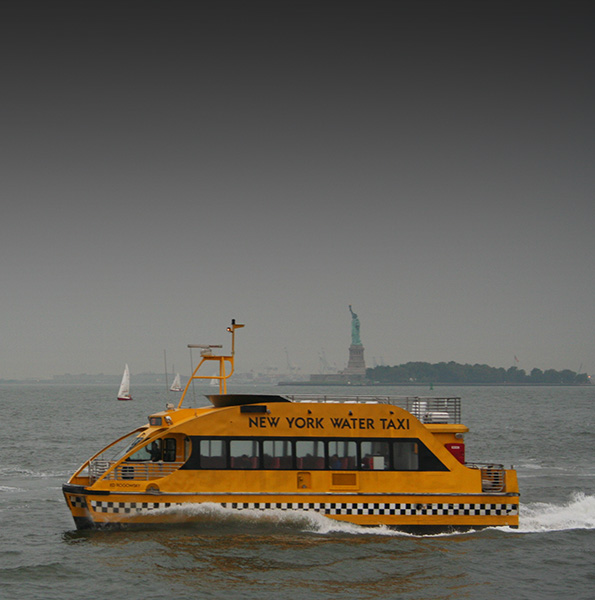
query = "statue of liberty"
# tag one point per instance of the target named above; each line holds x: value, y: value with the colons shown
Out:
x: 355, y: 339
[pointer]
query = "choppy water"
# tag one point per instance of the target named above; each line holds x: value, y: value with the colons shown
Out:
x: 547, y: 433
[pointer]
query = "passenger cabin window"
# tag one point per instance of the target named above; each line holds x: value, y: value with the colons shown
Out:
x: 428, y: 461
x: 213, y: 454
x: 309, y: 454
x: 244, y: 454
x: 277, y: 454
x: 342, y: 455
x: 375, y: 455
x: 405, y: 456
x: 409, y: 455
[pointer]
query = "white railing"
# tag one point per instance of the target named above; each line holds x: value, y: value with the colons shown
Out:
x: 445, y: 409
x: 139, y: 470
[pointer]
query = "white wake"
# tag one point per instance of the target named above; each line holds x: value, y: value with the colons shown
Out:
x: 577, y: 513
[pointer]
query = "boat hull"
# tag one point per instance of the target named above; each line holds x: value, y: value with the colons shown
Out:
x: 421, y: 513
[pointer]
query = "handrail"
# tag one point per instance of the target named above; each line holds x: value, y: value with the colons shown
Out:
x: 137, y: 470
x: 428, y: 409
x: 100, y: 452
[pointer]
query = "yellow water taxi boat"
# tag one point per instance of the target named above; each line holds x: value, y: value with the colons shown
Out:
x: 369, y: 460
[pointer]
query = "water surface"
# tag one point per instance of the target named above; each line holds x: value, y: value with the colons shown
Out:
x: 545, y: 432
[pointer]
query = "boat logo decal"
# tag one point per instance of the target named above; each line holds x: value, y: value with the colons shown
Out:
x: 121, y: 484
x: 360, y: 423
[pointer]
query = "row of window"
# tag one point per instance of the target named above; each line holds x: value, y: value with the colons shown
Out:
x: 312, y: 454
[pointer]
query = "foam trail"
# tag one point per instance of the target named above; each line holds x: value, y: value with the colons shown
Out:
x: 577, y: 513
x: 310, y: 521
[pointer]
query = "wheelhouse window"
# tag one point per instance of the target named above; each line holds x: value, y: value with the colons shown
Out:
x: 169, y: 450
x: 277, y: 454
x: 310, y: 454
x: 244, y: 454
x: 213, y: 454
x: 342, y: 454
x: 375, y: 455
x: 158, y: 450
x: 149, y: 452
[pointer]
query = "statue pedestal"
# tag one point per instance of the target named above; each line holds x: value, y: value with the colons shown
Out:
x: 356, y: 367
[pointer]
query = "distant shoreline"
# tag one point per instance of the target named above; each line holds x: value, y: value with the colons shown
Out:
x: 433, y: 384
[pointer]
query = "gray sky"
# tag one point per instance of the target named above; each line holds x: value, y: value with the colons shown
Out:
x: 166, y: 169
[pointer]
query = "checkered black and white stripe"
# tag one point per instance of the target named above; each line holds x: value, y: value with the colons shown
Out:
x: 78, y: 502
x: 129, y: 507
x: 329, y: 508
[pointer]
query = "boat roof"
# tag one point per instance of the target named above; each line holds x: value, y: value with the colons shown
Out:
x: 223, y: 400
x: 443, y: 409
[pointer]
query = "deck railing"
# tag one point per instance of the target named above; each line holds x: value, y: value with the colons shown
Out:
x: 446, y: 409
x: 493, y: 477
x: 140, y: 470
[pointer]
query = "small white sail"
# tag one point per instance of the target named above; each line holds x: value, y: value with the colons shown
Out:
x: 176, y: 386
x: 124, y: 391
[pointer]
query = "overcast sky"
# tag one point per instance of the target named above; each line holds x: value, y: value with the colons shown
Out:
x: 166, y: 169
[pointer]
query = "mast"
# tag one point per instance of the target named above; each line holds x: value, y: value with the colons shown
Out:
x: 165, y: 365
x: 206, y: 353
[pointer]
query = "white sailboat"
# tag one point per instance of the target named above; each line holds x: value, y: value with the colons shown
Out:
x: 124, y: 391
x: 176, y: 386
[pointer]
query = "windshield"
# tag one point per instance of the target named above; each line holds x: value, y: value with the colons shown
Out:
x: 117, y: 451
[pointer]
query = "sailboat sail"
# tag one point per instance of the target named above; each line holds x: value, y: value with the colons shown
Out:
x: 176, y: 386
x: 124, y: 391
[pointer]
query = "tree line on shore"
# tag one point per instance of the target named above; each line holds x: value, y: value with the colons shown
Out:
x: 452, y: 372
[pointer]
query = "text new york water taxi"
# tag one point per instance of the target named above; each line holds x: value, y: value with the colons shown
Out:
x: 368, y: 460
